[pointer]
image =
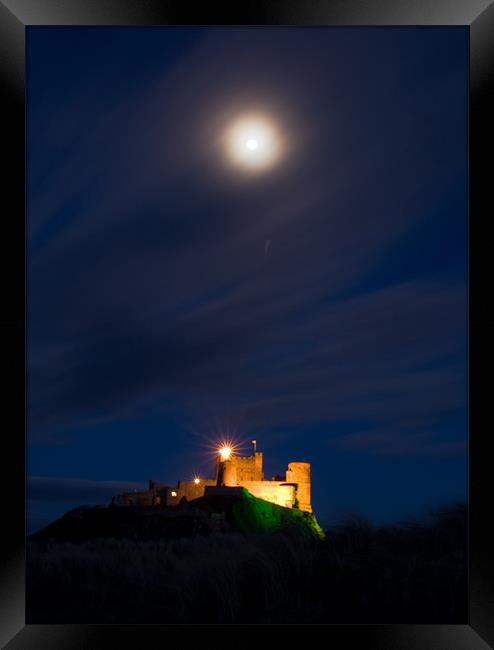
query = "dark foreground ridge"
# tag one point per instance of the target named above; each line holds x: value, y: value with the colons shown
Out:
x: 359, y: 573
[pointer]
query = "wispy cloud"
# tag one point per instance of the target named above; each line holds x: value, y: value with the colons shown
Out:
x: 150, y: 281
x: 399, y: 443
x: 76, y: 491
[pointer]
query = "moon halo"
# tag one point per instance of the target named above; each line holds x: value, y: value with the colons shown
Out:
x: 253, y: 143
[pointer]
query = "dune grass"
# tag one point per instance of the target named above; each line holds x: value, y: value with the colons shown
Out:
x: 414, y: 572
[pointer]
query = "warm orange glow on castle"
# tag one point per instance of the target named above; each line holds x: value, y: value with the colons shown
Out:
x: 232, y: 471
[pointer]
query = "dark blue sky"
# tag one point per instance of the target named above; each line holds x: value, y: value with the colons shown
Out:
x: 156, y: 319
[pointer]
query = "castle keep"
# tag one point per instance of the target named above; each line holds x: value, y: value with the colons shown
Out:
x: 232, y: 471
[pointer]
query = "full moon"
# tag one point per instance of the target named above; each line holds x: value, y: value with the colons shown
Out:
x: 253, y: 143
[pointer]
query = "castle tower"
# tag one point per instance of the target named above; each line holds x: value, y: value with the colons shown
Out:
x: 258, y: 473
x: 220, y: 471
x: 226, y: 468
x: 299, y: 473
x: 230, y: 472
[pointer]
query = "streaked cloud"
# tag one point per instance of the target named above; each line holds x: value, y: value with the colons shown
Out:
x: 77, y: 491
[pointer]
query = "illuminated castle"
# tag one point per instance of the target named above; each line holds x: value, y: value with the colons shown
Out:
x: 233, y: 472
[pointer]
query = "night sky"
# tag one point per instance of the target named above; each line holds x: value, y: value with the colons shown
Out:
x: 319, y: 306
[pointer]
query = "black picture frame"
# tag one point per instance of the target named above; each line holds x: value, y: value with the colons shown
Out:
x: 15, y: 16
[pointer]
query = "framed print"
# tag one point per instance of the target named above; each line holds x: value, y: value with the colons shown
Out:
x: 243, y: 253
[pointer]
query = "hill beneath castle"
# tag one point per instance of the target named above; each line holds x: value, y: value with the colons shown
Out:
x: 235, y: 510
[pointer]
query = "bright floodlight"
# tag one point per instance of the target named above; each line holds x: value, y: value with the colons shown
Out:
x: 225, y: 453
x: 253, y: 142
x: 197, y: 480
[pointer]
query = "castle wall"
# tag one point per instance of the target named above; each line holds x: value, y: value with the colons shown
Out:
x: 277, y: 492
x: 187, y: 489
x: 134, y: 499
